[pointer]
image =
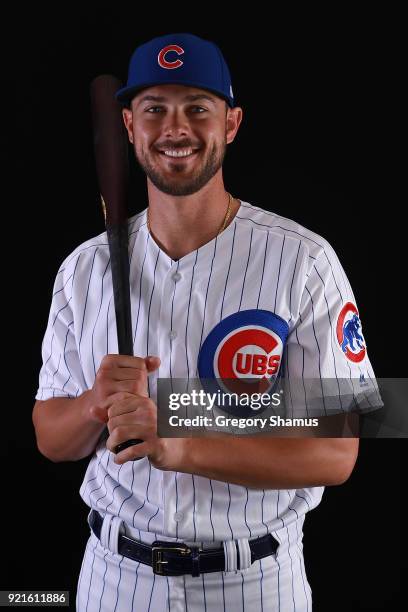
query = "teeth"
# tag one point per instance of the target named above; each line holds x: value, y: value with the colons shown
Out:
x: 178, y: 152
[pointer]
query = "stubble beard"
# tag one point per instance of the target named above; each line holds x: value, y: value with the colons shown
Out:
x: 188, y: 186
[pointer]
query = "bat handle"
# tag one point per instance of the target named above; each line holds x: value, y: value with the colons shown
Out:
x: 118, y: 247
x: 123, y: 445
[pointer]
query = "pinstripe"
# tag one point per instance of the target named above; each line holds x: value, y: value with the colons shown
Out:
x: 245, y: 514
x: 97, y: 317
x: 206, y: 293
x: 103, y: 484
x: 151, y: 592
x: 291, y: 569
x: 246, y: 270
x: 118, y: 585
x: 263, y: 269
x: 194, y: 507
x: 86, y: 301
x: 133, y: 220
x: 140, y: 288
x: 188, y: 315
x: 303, y: 371
x: 277, y: 555
x: 134, y: 588
x: 291, y: 284
x: 56, y: 371
x: 107, y: 325
x: 223, y: 591
x: 152, y: 517
x: 171, y: 321
x: 79, y: 583
x: 150, y: 306
x: 334, y: 278
x: 205, y: 601
x: 229, y: 268
x: 331, y: 335
x: 103, y: 581
x: 318, y: 347
x: 228, y: 510
x: 185, y: 592
x: 211, y: 506
x: 65, y: 358
x: 136, y: 511
x: 114, y: 489
x: 261, y: 583
x: 90, y: 581
x: 302, y: 573
x: 286, y: 229
x: 55, y: 293
x: 60, y: 310
x: 280, y: 265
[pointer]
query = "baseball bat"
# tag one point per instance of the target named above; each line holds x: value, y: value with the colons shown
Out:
x: 112, y: 167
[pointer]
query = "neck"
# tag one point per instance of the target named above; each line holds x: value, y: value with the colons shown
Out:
x: 182, y: 224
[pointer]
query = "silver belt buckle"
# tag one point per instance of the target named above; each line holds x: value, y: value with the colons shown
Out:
x: 157, y: 556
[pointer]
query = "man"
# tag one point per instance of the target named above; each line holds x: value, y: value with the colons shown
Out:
x: 211, y: 277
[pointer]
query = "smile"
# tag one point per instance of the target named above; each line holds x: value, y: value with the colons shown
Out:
x: 188, y: 152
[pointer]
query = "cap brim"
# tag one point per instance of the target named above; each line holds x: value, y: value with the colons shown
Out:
x: 126, y: 94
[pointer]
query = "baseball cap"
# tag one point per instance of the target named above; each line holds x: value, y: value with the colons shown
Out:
x: 178, y: 59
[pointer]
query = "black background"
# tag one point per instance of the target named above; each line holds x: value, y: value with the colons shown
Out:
x: 312, y: 93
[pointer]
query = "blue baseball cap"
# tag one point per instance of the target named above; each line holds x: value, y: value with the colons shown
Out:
x: 178, y: 59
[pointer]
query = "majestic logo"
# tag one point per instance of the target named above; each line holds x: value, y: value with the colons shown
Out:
x: 244, y: 351
x: 349, y: 335
x: 166, y: 63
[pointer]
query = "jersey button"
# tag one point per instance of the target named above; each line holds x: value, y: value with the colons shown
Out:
x: 172, y: 334
x: 176, y: 276
x: 178, y: 516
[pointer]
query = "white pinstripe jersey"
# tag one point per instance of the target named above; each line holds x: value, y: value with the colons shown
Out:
x: 261, y: 261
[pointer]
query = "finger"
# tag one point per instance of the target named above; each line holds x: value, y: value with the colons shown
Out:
x: 99, y: 414
x: 122, y: 433
x: 115, y: 398
x: 120, y: 374
x: 131, y: 404
x: 127, y: 418
x: 152, y: 363
x: 123, y: 361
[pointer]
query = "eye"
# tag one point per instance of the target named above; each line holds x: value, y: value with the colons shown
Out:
x: 199, y: 109
x: 153, y: 109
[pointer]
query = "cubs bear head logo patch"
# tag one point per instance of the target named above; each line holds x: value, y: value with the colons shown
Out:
x: 349, y: 335
x: 243, y: 352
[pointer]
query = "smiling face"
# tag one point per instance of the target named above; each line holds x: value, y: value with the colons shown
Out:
x: 180, y: 135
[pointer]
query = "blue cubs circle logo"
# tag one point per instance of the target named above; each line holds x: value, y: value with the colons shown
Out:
x: 243, y: 353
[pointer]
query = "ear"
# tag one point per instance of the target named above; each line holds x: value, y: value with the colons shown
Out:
x: 234, y: 118
x: 128, y: 121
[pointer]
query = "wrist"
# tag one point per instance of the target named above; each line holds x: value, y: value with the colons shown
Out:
x: 87, y: 401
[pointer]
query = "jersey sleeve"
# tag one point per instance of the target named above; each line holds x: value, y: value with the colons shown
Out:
x: 61, y: 373
x: 326, y: 366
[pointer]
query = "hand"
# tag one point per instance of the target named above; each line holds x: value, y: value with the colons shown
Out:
x: 135, y: 417
x: 119, y: 377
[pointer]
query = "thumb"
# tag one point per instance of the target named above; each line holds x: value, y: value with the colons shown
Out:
x: 152, y: 363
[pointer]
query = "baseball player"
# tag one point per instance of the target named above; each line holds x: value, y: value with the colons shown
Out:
x: 192, y: 524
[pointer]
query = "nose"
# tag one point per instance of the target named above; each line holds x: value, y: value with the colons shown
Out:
x: 176, y: 124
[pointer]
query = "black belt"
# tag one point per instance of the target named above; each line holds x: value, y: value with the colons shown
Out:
x: 176, y: 558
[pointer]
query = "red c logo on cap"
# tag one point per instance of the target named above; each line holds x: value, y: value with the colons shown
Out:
x: 162, y: 57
